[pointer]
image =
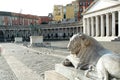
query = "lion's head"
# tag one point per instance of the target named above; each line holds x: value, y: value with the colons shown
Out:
x: 80, y: 41
x: 77, y: 42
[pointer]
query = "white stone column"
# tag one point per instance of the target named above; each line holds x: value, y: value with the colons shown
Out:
x: 102, y: 25
x: 107, y: 25
x: 88, y: 26
x: 84, y: 25
x: 92, y: 26
x: 97, y: 26
x: 113, y: 23
x: 118, y: 23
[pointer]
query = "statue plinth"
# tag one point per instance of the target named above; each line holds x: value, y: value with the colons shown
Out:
x: 66, y: 73
x: 90, y: 60
x: 53, y: 75
x: 18, y: 39
x: 36, y: 41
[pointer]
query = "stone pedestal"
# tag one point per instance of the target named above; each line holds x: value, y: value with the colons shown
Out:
x: 67, y: 73
x: 53, y: 75
x: 18, y: 39
x: 36, y: 41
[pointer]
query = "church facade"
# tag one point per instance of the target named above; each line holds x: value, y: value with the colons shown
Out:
x: 101, y: 20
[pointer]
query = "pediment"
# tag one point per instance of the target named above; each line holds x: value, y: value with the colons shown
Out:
x: 101, y: 4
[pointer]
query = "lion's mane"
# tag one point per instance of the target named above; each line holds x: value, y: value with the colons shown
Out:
x: 86, y: 48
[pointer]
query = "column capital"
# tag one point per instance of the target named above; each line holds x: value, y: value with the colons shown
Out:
x: 102, y: 15
x: 118, y: 10
x: 92, y: 16
x: 96, y: 16
x: 107, y: 13
x: 84, y: 18
x: 113, y: 12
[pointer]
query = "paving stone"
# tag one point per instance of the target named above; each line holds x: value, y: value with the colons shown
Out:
x: 29, y: 59
x: 37, y: 60
x: 21, y: 71
x: 5, y: 71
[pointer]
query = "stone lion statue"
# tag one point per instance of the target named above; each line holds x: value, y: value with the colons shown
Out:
x: 87, y: 52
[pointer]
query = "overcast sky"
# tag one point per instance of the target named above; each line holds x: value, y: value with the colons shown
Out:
x: 35, y: 7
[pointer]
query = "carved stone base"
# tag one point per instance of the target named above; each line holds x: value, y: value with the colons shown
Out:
x: 18, y: 40
x: 69, y: 73
x: 53, y: 75
x: 36, y: 41
x: 36, y: 45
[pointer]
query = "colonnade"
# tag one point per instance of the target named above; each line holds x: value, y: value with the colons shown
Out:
x: 61, y: 32
x: 102, y: 25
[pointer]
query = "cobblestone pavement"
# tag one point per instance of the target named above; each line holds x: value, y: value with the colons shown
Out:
x: 5, y: 71
x: 53, y: 51
x: 22, y: 60
x: 30, y: 60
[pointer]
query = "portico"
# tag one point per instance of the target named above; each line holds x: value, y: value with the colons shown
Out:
x: 102, y: 19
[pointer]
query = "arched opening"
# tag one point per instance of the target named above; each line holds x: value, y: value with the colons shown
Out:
x: 1, y: 36
x: 56, y: 35
x: 64, y: 35
x: 71, y: 35
x: 48, y: 36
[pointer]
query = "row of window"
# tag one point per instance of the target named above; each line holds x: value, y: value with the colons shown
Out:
x: 7, y: 20
x: 84, y: 3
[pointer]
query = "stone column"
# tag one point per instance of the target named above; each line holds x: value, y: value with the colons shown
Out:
x: 97, y: 26
x: 113, y: 23
x: 118, y: 23
x: 102, y: 26
x: 88, y: 26
x: 92, y: 25
x: 107, y: 25
x: 84, y: 25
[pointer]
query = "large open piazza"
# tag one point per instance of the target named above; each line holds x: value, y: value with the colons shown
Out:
x: 78, y: 40
x: 18, y: 62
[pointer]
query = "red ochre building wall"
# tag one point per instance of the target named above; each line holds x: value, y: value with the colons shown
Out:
x: 9, y: 18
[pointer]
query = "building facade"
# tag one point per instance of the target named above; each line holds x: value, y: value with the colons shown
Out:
x: 82, y: 5
x: 14, y: 19
x: 44, y: 19
x: 70, y: 11
x: 101, y: 20
x: 49, y: 32
x: 76, y: 9
x: 19, y: 25
x: 61, y: 31
x: 58, y: 13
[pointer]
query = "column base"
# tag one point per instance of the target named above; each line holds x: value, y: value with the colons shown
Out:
x: 105, y: 38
